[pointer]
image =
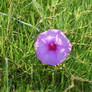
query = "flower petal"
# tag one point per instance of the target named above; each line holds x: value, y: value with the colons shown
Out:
x: 49, y: 58
x: 41, y: 47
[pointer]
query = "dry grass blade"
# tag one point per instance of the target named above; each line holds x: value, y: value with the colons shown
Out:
x: 10, y: 14
x: 71, y: 86
x: 81, y: 79
x: 73, y: 78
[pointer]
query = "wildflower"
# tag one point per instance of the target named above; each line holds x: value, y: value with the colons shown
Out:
x: 52, y: 47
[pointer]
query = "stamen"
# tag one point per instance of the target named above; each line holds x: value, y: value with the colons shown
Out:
x: 52, y: 46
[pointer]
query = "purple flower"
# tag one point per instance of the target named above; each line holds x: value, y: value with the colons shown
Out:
x: 52, y: 47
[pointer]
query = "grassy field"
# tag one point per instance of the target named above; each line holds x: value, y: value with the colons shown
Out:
x: 20, y: 23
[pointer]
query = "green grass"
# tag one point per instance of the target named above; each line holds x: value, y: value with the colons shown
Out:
x: 20, y: 23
